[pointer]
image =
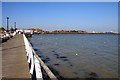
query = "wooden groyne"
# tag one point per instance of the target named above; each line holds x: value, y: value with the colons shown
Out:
x: 19, y: 60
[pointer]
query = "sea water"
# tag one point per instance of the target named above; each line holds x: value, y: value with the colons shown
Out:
x: 79, y: 55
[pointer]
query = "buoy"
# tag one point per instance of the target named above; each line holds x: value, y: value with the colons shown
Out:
x: 76, y: 54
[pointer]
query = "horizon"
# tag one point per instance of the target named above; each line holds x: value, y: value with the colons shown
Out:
x: 86, y: 16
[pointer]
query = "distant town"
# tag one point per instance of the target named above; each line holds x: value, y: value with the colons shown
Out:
x: 6, y: 34
x: 41, y: 31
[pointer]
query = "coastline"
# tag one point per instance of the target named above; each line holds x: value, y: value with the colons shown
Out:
x: 79, y: 33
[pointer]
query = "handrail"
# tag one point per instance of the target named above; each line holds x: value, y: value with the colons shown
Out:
x: 48, y: 71
x: 35, y: 62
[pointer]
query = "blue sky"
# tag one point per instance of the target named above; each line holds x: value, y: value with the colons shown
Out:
x: 88, y: 16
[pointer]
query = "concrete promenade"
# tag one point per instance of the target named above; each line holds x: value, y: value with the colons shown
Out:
x: 14, y: 59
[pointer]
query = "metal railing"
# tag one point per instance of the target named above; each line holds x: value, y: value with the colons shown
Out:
x: 35, y: 63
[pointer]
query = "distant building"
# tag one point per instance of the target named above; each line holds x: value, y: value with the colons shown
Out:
x: 109, y: 32
x: 93, y: 32
x: 81, y: 31
x: 36, y: 30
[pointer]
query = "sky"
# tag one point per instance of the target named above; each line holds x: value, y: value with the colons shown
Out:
x: 87, y: 16
x: 60, y: 0
x: 0, y: 14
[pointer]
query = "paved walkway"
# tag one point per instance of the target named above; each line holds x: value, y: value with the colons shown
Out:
x: 0, y: 61
x: 14, y: 59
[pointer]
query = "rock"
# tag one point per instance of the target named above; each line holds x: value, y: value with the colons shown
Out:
x: 93, y: 75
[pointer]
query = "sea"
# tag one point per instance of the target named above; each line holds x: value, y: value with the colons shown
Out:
x: 78, y: 55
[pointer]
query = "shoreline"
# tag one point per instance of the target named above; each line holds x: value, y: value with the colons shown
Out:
x: 81, y: 33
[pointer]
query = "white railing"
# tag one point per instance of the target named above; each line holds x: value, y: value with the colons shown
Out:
x: 35, y: 63
x: 32, y: 60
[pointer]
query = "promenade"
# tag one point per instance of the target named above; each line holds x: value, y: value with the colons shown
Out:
x: 14, y: 59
